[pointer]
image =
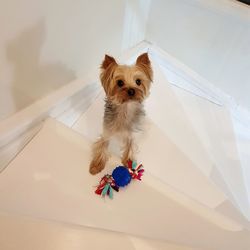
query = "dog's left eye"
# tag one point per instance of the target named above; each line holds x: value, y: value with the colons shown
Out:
x: 138, y: 82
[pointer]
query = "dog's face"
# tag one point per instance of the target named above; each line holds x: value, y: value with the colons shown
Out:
x: 124, y: 83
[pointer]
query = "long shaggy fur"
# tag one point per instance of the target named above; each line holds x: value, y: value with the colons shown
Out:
x: 126, y: 88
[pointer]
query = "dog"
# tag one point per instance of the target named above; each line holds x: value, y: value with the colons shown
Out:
x: 126, y: 87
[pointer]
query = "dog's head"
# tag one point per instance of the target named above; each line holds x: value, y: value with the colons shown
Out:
x: 123, y: 83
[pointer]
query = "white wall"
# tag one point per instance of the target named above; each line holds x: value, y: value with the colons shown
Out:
x: 135, y: 22
x: 45, y: 44
x: 212, y: 37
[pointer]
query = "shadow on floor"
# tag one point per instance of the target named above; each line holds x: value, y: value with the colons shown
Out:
x: 33, y: 79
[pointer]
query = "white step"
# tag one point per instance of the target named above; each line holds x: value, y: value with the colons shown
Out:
x: 165, y: 110
x: 213, y: 125
x: 242, y: 133
x: 205, y: 133
x: 184, y: 124
x: 16, y: 234
x: 49, y: 179
x: 167, y: 163
x: 9, y: 151
x: 173, y: 167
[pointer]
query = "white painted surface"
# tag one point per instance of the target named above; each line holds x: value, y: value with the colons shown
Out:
x: 135, y: 22
x: 42, y: 185
x: 200, y: 129
x: 44, y: 45
x: 180, y: 153
x: 242, y: 134
x: 8, y: 153
x: 212, y: 120
x: 168, y: 163
x: 66, y: 103
x: 168, y: 114
x: 211, y: 37
x: 214, y: 127
x: 48, y: 235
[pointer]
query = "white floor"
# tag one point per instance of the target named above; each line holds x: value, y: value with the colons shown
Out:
x: 194, y: 191
x: 30, y: 234
x: 198, y: 131
x: 57, y: 173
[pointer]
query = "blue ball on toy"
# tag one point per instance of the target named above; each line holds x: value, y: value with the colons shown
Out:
x: 121, y: 176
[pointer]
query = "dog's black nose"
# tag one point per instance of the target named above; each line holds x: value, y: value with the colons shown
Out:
x: 131, y: 92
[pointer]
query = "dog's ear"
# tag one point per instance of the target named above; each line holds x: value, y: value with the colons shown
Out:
x: 144, y: 63
x: 107, y: 70
x: 108, y: 60
x: 143, y: 59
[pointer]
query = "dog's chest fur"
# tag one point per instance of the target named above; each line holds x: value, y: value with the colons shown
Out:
x: 123, y: 117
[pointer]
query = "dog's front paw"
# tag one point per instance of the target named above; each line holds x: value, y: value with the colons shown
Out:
x: 125, y: 161
x: 96, y: 167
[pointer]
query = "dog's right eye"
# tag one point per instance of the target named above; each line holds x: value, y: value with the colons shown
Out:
x: 120, y: 83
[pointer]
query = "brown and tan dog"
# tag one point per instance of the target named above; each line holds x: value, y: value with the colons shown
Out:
x: 126, y: 88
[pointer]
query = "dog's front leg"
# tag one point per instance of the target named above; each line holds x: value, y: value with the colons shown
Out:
x: 129, y: 150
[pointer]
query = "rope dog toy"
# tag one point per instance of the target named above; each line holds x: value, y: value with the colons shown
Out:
x: 120, y: 177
